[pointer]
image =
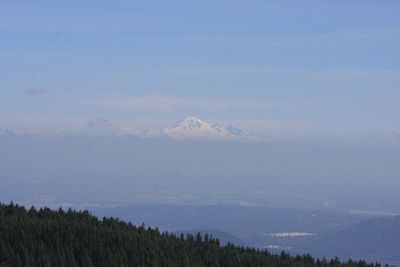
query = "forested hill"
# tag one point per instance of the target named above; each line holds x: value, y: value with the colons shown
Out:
x: 68, y: 238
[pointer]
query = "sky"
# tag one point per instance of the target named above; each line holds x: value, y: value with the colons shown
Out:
x: 298, y: 73
x: 283, y: 69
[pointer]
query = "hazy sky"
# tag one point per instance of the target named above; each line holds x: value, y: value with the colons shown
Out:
x: 279, y: 68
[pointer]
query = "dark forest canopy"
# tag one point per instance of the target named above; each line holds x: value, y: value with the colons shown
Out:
x: 69, y: 238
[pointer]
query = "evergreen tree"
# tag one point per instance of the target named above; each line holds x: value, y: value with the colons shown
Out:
x: 57, y: 238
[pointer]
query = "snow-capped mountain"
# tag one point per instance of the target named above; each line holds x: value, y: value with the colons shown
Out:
x: 193, y: 128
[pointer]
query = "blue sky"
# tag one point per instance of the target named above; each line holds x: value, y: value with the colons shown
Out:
x: 278, y: 68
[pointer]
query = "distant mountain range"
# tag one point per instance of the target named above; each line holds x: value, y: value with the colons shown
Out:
x: 193, y: 128
x: 373, y: 240
x: 10, y: 132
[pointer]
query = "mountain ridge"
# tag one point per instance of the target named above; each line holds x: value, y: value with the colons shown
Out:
x: 376, y: 239
x: 194, y: 128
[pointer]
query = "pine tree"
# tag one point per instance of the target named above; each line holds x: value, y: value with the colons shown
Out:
x: 57, y: 238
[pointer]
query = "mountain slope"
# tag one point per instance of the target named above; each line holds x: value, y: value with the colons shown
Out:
x: 58, y: 238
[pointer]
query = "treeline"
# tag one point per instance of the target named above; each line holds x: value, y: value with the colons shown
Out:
x: 68, y: 238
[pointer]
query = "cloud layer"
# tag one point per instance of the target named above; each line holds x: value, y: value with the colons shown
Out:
x: 160, y: 102
x: 35, y: 91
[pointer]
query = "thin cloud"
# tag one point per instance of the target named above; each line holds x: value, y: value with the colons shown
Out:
x: 99, y: 122
x: 195, y: 71
x: 160, y: 102
x: 219, y: 71
x: 35, y: 91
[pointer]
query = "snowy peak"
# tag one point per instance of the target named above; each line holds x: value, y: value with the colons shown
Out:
x: 193, y: 128
x: 237, y: 132
x: 191, y: 123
